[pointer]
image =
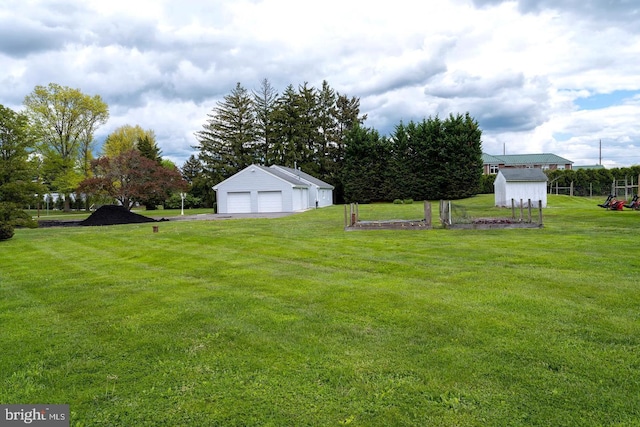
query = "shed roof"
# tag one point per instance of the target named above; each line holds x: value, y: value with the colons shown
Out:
x: 525, y: 159
x: 523, y: 175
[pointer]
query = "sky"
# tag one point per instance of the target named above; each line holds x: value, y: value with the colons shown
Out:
x: 539, y: 76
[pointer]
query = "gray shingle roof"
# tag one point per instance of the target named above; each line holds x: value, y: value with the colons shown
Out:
x: 305, y: 176
x: 523, y: 175
x: 283, y: 175
x: 525, y: 159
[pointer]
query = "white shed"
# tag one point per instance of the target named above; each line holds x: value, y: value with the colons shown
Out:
x: 520, y: 184
x: 259, y: 189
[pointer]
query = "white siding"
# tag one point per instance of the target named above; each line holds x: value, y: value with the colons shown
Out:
x: 519, y: 190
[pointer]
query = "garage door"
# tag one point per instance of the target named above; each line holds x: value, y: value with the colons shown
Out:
x: 269, y: 201
x: 300, y: 197
x: 239, y: 202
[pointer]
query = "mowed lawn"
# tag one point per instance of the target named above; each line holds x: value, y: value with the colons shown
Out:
x: 293, y: 321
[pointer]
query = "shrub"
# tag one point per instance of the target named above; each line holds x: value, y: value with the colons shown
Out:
x: 6, y: 231
x: 397, y: 202
x: 190, y: 202
x: 408, y: 201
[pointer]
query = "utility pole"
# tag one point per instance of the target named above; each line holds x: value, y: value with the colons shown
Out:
x: 600, y: 153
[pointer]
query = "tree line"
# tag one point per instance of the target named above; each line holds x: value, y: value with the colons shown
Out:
x: 304, y: 128
x: 49, y: 148
x: 322, y: 132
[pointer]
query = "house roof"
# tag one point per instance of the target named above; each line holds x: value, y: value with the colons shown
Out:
x: 588, y: 167
x: 524, y: 159
x: 523, y: 175
x: 298, y: 174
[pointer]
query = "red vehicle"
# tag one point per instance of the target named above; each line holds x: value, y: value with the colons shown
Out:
x: 613, y: 204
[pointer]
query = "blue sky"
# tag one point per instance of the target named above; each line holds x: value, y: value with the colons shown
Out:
x: 606, y: 100
x: 539, y: 75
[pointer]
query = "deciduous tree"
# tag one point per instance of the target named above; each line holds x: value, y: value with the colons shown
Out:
x: 65, y: 120
x: 131, y: 178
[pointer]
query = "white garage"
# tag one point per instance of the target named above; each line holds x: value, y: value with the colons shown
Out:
x: 258, y: 189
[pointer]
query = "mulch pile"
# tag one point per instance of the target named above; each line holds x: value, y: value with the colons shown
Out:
x: 112, y: 215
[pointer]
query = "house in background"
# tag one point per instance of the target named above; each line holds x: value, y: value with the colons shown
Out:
x: 520, y: 184
x: 260, y: 189
x: 544, y: 161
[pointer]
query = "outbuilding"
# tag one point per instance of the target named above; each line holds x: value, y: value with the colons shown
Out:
x: 520, y: 184
x: 260, y: 189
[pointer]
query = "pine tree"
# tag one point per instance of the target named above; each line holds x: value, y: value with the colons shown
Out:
x: 264, y: 103
x: 227, y: 141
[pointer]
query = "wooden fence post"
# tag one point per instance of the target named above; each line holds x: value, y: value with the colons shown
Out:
x: 540, y: 211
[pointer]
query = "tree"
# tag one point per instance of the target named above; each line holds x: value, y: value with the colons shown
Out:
x: 16, y: 170
x: 125, y: 138
x: 149, y: 148
x: 65, y: 120
x: 460, y: 162
x: 367, y: 169
x: 17, y: 186
x: 263, y: 104
x: 287, y: 148
x: 199, y: 182
x: 131, y: 178
x: 227, y: 140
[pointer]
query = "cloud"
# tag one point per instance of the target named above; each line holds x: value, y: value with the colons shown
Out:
x: 524, y: 69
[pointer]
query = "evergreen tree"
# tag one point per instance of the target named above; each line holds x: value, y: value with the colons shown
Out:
x: 264, y: 101
x: 461, y: 164
x: 227, y: 141
x: 367, y: 166
x: 287, y: 149
x: 148, y: 147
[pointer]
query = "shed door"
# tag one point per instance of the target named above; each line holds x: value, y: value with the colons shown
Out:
x: 269, y: 201
x: 239, y: 202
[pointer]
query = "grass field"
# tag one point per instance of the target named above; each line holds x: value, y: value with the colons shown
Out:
x: 293, y: 321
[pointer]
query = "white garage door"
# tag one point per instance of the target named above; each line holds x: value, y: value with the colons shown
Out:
x: 300, y: 196
x: 239, y: 202
x: 269, y: 201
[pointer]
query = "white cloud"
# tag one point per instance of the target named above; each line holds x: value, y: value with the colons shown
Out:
x: 516, y: 66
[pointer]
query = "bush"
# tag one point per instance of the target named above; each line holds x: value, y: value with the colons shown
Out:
x: 12, y: 216
x: 397, y: 202
x: 6, y: 231
x: 408, y: 201
x: 190, y: 202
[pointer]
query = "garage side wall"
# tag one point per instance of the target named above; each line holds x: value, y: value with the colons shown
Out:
x: 249, y: 183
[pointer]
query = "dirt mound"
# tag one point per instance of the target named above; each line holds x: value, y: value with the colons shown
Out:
x: 112, y: 215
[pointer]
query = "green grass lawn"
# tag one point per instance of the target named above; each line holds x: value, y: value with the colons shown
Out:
x: 294, y: 321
